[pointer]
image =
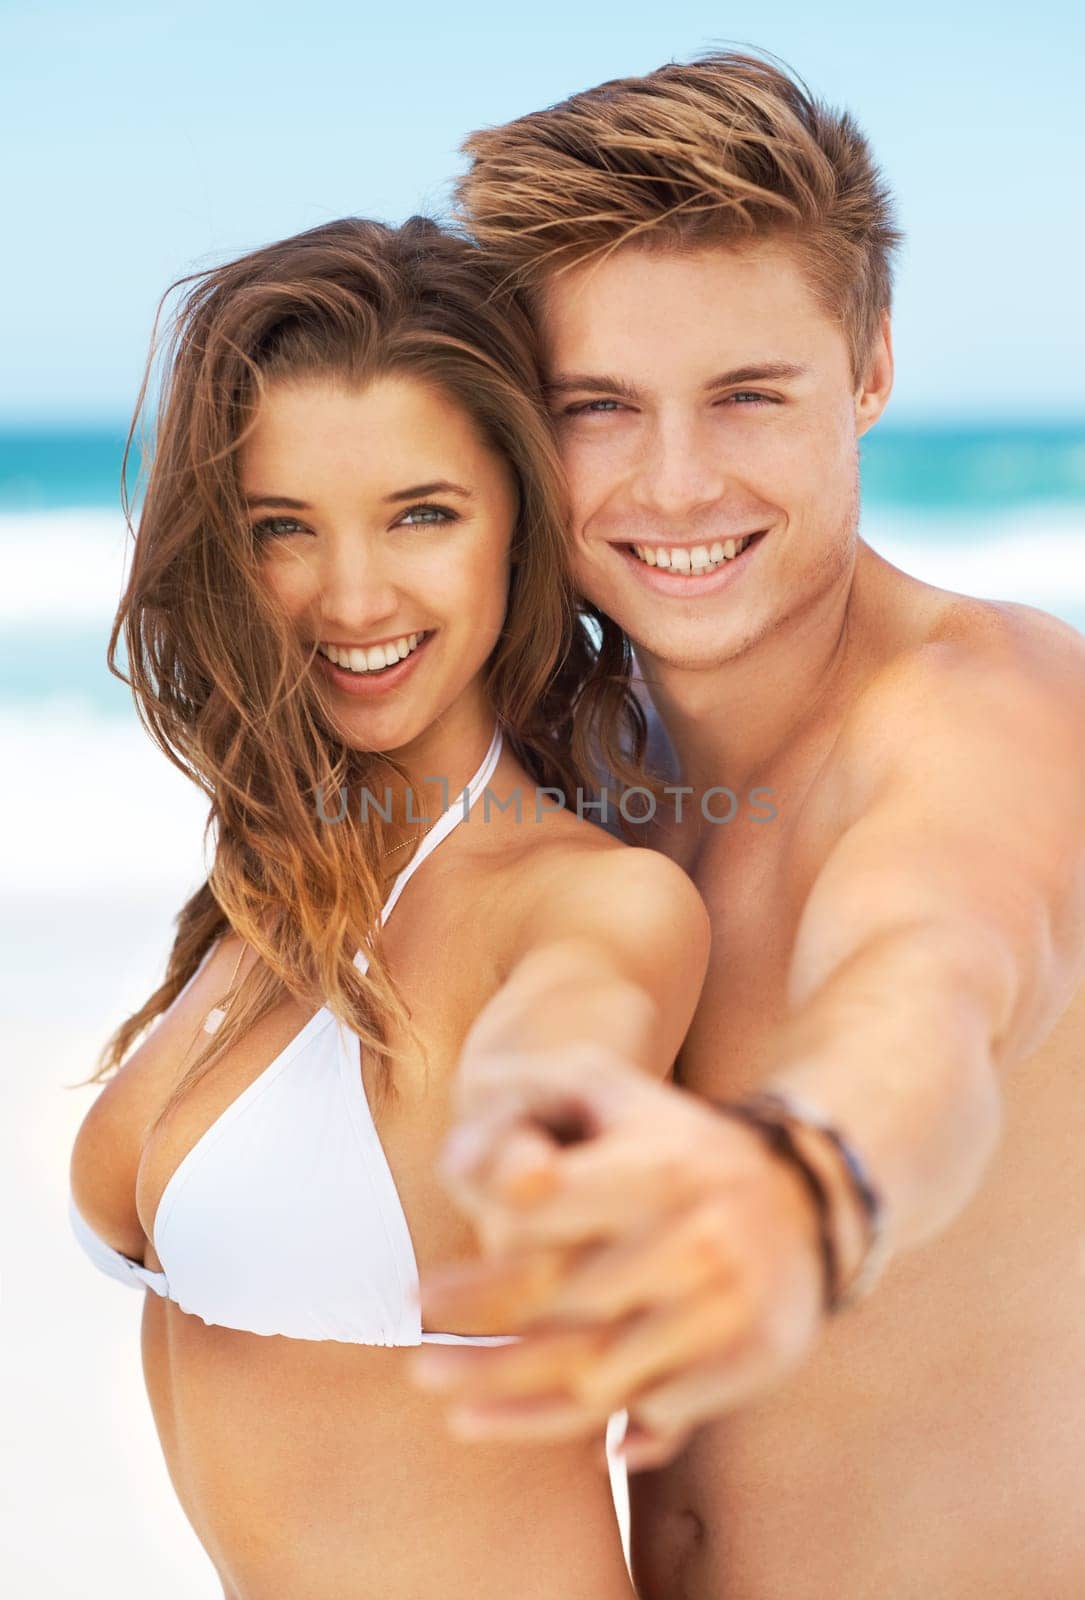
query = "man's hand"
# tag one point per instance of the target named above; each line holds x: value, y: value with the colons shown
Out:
x: 653, y: 1253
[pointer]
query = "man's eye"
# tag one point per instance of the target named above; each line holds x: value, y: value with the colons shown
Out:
x: 427, y: 516
x: 276, y: 527
x: 592, y: 407
x: 750, y: 396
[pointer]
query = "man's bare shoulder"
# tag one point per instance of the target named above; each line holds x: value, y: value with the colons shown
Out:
x: 986, y: 666
x: 1013, y: 630
x: 981, y: 644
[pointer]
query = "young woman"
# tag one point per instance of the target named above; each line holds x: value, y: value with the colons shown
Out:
x: 348, y: 620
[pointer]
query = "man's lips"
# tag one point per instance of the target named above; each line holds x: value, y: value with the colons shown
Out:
x: 708, y: 543
x: 669, y: 580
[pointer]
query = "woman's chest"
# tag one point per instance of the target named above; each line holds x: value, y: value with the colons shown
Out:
x: 295, y: 1095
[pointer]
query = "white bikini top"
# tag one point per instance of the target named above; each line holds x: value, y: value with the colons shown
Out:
x: 284, y: 1217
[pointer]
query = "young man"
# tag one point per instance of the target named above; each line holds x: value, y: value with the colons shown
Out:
x: 899, y: 925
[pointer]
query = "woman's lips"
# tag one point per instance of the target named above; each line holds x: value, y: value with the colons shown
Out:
x: 370, y: 685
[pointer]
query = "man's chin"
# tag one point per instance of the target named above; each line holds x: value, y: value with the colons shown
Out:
x: 662, y: 639
x: 689, y: 662
x: 657, y: 651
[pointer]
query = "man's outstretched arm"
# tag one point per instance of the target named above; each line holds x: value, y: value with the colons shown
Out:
x: 939, y: 943
x: 945, y: 932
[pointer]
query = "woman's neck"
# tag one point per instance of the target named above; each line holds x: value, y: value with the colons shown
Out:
x: 439, y: 763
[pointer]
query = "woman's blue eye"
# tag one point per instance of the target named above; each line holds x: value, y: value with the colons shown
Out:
x: 277, y: 526
x: 428, y: 516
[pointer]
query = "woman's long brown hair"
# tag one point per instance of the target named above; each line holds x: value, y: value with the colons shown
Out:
x: 219, y: 676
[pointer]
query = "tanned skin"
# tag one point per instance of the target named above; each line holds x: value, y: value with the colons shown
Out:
x: 903, y: 945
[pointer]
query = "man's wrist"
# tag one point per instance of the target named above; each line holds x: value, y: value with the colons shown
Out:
x: 849, y: 1206
x: 775, y: 1132
x: 850, y: 1220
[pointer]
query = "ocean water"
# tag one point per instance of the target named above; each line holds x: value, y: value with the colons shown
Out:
x: 991, y: 511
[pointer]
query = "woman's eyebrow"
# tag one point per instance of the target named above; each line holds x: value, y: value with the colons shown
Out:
x: 415, y: 492
x: 418, y: 491
x: 280, y: 500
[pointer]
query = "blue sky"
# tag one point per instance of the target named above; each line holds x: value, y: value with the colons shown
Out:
x: 142, y: 144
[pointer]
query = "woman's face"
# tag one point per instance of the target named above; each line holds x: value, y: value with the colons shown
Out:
x: 382, y: 521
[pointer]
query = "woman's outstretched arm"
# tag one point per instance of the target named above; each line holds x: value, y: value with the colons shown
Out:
x: 607, y: 971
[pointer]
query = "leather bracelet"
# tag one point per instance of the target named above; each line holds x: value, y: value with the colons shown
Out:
x: 863, y: 1187
x: 772, y: 1109
x: 779, y: 1138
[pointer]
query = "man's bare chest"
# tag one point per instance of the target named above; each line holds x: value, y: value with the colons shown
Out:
x: 755, y: 883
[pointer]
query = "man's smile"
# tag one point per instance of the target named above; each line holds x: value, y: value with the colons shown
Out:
x: 690, y: 569
x: 694, y: 558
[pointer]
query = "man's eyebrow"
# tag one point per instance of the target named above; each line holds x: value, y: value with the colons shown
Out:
x: 588, y: 383
x: 595, y: 383
x: 419, y: 491
x: 758, y: 372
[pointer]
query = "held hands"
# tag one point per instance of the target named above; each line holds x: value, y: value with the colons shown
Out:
x: 652, y: 1253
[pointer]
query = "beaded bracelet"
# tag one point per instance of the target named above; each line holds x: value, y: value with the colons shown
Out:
x: 772, y: 1114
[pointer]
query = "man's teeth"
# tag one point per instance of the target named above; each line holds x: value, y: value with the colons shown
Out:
x: 375, y: 657
x: 691, y: 558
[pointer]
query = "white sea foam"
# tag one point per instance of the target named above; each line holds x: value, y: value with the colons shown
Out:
x: 62, y: 566
x: 89, y: 805
x: 70, y: 566
x: 1035, y: 556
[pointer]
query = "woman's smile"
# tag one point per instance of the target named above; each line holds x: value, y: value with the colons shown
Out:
x: 372, y: 670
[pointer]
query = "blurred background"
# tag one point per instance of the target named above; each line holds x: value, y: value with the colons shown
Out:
x: 144, y: 143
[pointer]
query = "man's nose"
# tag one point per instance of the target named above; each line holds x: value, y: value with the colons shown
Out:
x: 680, y: 470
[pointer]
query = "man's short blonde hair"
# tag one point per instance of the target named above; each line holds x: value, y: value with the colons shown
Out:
x: 726, y: 149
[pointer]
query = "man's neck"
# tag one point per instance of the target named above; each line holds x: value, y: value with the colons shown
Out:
x: 734, y: 724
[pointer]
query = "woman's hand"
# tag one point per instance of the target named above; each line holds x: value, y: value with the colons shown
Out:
x: 652, y: 1252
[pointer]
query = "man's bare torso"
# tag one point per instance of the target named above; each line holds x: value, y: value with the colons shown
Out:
x: 930, y: 1446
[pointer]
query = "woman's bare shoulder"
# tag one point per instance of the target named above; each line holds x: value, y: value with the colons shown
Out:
x: 567, y: 870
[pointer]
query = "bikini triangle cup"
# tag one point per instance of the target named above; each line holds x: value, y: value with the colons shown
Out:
x: 296, y: 1165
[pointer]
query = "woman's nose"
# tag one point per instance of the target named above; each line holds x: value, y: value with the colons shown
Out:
x: 356, y: 587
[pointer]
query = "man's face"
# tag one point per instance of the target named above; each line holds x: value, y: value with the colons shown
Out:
x: 703, y: 399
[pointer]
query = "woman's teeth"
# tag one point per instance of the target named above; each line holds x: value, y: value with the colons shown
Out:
x: 376, y: 657
x: 695, y: 558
